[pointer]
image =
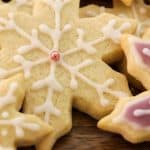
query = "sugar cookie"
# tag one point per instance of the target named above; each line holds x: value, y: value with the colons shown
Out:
x: 61, y: 58
x: 18, y: 129
x: 130, y: 118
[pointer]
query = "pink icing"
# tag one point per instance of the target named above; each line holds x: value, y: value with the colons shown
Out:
x: 139, y: 48
x: 55, y: 56
x: 143, y: 120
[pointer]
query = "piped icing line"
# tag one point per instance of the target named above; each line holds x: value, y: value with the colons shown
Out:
x: 138, y: 113
x: 141, y: 112
x: 138, y: 52
x: 140, y: 24
x: 83, y: 45
x: 19, y: 125
x: 100, y: 88
x: 33, y: 38
x: 26, y: 66
x: 50, y: 82
x: 56, y: 34
x: 9, y: 98
x: 146, y: 51
x: 48, y: 107
x: 110, y: 32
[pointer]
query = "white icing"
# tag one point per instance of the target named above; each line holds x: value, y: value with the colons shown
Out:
x: 84, y: 45
x: 91, y: 13
x: 51, y: 82
x: 141, y: 23
x: 24, y: 67
x: 100, y: 88
x: 48, y: 107
x: 141, y: 112
x: 19, y: 125
x: 110, y: 32
x: 146, y: 51
x: 56, y: 33
x: 9, y: 98
x: 5, y: 115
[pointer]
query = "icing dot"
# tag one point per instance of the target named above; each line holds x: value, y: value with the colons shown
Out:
x: 4, y: 132
x: 143, y: 49
x: 5, y: 114
x: 55, y: 56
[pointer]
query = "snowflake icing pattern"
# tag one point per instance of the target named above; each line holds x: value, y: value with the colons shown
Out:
x: 55, y: 57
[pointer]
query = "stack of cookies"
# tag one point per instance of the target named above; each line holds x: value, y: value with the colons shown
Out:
x: 55, y: 56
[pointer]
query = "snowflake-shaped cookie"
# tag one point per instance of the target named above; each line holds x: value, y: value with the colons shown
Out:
x: 17, y: 129
x: 131, y: 118
x: 60, y: 56
x: 137, y: 53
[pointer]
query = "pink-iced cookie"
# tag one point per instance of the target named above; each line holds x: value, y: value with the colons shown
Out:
x: 130, y: 118
x: 137, y: 53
